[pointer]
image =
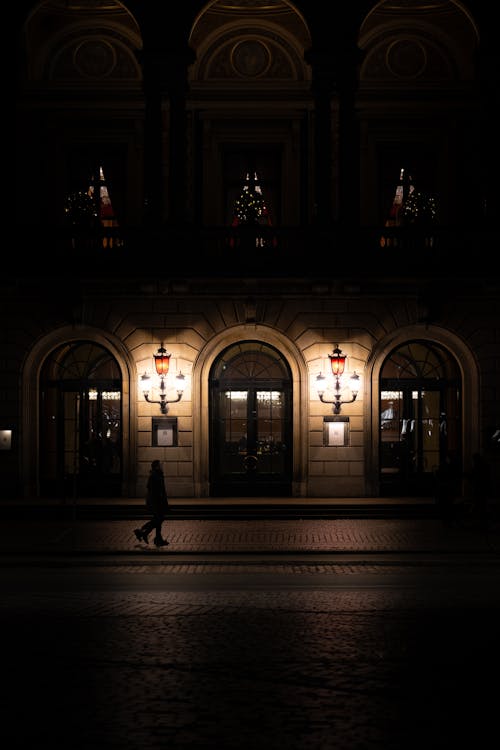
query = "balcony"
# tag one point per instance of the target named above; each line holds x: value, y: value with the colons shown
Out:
x: 187, y: 251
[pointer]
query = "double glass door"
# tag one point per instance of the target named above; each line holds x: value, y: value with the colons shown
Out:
x: 251, y: 430
x: 80, y: 423
x: 420, y: 419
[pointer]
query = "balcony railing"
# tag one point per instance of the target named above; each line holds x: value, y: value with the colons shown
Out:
x: 256, y: 250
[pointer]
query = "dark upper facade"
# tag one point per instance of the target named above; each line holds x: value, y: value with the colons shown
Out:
x: 177, y: 109
x: 230, y: 160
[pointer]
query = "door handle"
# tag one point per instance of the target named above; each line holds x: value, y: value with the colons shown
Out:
x: 250, y: 463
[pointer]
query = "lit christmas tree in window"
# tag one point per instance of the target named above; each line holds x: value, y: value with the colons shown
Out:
x: 410, y: 206
x: 92, y: 209
x: 80, y: 209
x: 418, y: 209
x: 85, y: 208
x: 250, y: 209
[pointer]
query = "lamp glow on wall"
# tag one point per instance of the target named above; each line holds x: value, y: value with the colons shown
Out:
x: 162, y: 365
x: 337, y: 363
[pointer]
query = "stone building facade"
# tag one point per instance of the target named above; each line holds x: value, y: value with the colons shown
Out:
x: 145, y: 144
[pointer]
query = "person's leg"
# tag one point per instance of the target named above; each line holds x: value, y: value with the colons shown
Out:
x: 158, y: 521
x: 144, y: 531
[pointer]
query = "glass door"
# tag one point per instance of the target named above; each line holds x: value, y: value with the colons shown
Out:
x: 412, y: 439
x: 251, y: 426
x: 420, y: 424
x: 80, y: 423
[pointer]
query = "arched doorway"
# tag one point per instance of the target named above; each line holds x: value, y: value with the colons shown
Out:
x: 80, y: 422
x: 420, y: 417
x: 250, y: 422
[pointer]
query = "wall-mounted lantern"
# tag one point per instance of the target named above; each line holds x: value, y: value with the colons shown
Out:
x: 337, y: 363
x: 162, y: 365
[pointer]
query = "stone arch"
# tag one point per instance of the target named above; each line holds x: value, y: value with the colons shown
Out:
x: 94, y: 46
x: 30, y: 400
x: 260, y: 46
x: 414, y: 44
x: 468, y: 368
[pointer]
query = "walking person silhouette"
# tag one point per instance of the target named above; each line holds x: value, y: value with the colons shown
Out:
x: 157, y: 504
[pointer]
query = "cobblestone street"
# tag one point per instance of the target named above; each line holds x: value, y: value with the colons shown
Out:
x: 329, y: 657
x: 187, y: 536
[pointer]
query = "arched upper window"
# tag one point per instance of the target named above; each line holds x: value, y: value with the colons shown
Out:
x: 250, y: 360
x: 420, y: 360
x: 82, y: 361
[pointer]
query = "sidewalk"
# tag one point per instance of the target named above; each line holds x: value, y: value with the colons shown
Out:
x: 263, y: 536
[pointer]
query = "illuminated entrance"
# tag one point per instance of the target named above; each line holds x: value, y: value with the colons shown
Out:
x: 420, y: 418
x: 80, y: 422
x: 251, y: 422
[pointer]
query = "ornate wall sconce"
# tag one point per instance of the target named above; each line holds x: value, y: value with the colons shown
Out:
x: 337, y: 362
x: 162, y: 365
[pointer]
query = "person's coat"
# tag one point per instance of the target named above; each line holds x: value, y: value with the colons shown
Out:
x: 156, y: 495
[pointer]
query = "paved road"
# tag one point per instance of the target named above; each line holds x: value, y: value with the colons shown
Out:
x: 296, y: 536
x: 337, y: 653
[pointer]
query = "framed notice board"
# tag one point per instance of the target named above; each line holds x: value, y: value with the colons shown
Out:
x: 164, y: 432
x: 336, y: 431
